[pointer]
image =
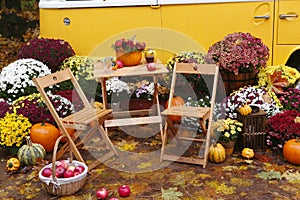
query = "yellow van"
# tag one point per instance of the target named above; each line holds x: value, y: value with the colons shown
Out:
x: 179, y: 25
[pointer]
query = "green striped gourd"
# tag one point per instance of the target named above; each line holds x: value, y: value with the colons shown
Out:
x: 31, y: 153
x: 217, y: 153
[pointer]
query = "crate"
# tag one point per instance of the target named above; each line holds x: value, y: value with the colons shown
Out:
x: 254, y: 125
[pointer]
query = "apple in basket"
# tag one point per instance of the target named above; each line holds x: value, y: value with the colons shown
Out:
x: 78, y: 170
x: 69, y: 173
x: 59, y: 172
x: 47, y: 172
x: 62, y: 163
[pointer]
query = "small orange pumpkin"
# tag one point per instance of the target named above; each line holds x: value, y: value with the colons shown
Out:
x: 129, y: 59
x: 176, y: 101
x: 71, y: 133
x: 45, y: 134
x: 291, y: 151
x: 248, y: 153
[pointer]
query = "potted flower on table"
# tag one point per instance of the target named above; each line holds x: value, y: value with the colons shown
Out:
x: 128, y: 51
x: 240, y: 56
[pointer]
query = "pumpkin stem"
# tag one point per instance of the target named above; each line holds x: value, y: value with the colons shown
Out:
x: 28, y: 141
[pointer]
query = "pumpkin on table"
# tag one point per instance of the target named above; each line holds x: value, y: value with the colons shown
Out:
x: 31, y: 153
x: 291, y: 151
x: 176, y: 101
x: 45, y: 134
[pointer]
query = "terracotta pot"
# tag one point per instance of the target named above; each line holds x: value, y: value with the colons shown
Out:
x: 229, y: 146
x: 129, y: 59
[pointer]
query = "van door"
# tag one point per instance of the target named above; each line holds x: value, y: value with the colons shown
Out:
x: 288, y: 22
x: 208, y: 23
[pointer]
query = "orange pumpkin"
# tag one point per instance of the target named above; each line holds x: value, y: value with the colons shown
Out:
x: 291, y: 151
x: 70, y: 132
x: 45, y: 134
x: 176, y: 101
x: 129, y: 59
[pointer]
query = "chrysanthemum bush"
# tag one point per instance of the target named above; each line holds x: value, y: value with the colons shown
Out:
x: 16, y: 78
x: 226, y: 130
x: 51, y: 52
x: 13, y: 129
x: 290, y: 100
x: 277, y: 78
x: 34, y: 108
x: 252, y: 95
x: 238, y: 53
x: 196, y: 81
x: 83, y: 69
x: 282, y: 127
x: 4, y: 107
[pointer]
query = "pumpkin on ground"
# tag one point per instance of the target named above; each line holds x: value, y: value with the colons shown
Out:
x: 31, y: 153
x: 291, y: 151
x: 247, y: 153
x: 45, y: 134
x: 176, y: 101
x: 217, y: 153
x: 12, y: 164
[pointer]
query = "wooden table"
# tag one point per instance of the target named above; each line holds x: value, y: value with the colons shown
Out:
x: 102, y: 71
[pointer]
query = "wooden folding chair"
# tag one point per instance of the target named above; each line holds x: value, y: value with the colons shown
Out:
x: 86, y: 121
x: 204, y: 116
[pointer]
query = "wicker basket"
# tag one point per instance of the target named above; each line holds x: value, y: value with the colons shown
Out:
x: 63, y: 186
x: 254, y: 126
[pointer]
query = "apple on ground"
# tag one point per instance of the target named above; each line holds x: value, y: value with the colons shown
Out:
x: 113, y: 198
x: 124, y: 191
x: 59, y: 172
x: 47, y: 172
x: 102, y: 193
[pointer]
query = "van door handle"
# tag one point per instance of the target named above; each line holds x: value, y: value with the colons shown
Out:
x: 284, y: 16
x: 262, y: 17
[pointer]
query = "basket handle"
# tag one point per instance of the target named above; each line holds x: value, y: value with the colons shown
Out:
x: 54, y: 156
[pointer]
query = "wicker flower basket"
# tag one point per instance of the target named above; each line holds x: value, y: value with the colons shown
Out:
x: 63, y: 186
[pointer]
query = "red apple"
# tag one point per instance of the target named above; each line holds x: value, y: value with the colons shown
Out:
x: 47, y: 172
x: 59, y: 172
x: 68, y: 173
x: 79, y: 169
x: 119, y: 63
x: 113, y: 198
x: 124, y: 191
x: 62, y: 163
x: 102, y: 193
x: 151, y: 66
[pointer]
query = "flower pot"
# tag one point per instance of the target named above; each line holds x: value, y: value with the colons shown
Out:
x: 129, y: 59
x: 233, y: 82
x: 229, y: 146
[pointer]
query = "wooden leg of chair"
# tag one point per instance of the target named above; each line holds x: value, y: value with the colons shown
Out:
x: 107, y: 140
x: 164, y: 141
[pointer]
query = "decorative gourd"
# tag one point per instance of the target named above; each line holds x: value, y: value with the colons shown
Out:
x: 217, y: 153
x: 245, y: 110
x: 176, y: 101
x: 291, y: 151
x: 248, y: 153
x: 12, y: 164
x: 45, y: 134
x: 31, y: 153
